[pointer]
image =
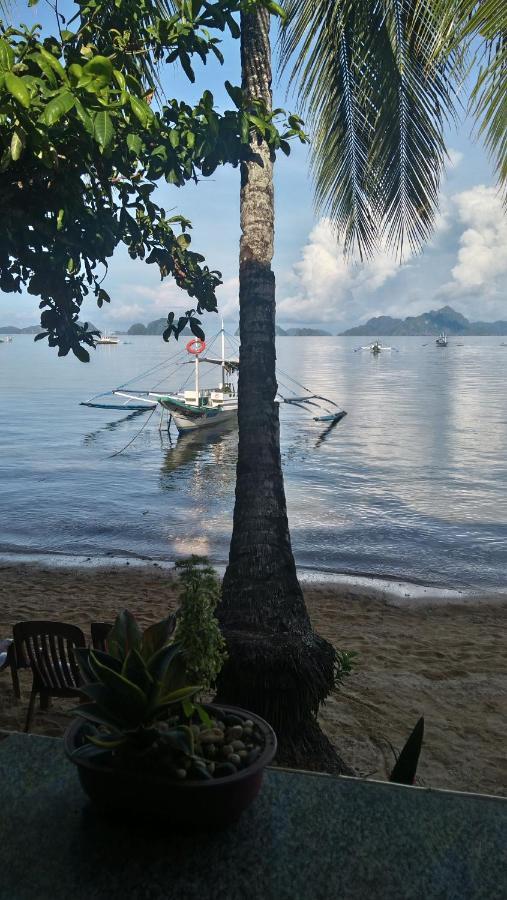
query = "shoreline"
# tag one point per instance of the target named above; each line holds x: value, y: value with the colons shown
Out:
x: 443, y: 660
x: 395, y: 590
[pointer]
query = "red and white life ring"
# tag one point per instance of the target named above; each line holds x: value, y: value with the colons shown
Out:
x: 196, y: 346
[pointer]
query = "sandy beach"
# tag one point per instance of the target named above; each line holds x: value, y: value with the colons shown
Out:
x: 445, y: 661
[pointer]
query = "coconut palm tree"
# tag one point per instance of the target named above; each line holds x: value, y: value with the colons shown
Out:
x: 277, y: 664
x: 376, y: 80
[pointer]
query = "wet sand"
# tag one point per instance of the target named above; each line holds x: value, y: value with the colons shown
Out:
x: 443, y: 660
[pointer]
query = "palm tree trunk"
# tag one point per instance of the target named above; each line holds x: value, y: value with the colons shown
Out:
x: 277, y: 665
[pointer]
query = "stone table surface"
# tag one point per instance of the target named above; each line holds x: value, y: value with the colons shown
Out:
x: 306, y: 837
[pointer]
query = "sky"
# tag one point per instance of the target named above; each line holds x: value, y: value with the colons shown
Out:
x: 464, y: 264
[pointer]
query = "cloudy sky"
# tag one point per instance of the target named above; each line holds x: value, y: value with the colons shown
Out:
x: 464, y: 265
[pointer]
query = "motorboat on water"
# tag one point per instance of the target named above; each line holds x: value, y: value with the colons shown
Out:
x: 107, y: 339
x: 441, y: 340
x: 203, y: 405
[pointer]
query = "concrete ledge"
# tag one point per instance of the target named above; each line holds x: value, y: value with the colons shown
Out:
x: 307, y: 837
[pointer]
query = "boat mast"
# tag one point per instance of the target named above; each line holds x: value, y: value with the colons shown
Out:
x: 197, y: 380
x: 222, y: 386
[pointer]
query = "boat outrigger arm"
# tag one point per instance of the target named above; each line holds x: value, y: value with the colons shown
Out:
x: 303, y: 402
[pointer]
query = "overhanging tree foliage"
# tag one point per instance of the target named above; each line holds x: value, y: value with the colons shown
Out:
x: 83, y: 145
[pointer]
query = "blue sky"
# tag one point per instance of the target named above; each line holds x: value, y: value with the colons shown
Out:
x: 465, y: 264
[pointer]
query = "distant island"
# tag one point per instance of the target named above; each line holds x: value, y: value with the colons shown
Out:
x: 298, y: 332
x: 35, y: 329
x: 12, y: 329
x: 157, y: 327
x: 430, y: 323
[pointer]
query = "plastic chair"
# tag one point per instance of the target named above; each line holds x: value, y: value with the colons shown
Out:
x: 8, y: 658
x: 47, y: 647
x: 99, y: 632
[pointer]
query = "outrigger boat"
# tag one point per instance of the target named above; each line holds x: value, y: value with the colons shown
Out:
x: 441, y: 340
x: 206, y: 407
x: 376, y: 347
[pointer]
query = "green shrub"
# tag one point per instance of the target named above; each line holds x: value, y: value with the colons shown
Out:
x: 197, y: 630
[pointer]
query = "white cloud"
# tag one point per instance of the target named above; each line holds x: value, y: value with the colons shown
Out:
x: 326, y: 286
x: 466, y: 261
x: 480, y: 268
x: 455, y: 157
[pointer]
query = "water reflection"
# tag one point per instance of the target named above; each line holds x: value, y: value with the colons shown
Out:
x: 214, y: 450
x: 114, y: 425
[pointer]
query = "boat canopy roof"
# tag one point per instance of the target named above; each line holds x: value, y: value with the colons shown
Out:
x: 230, y: 365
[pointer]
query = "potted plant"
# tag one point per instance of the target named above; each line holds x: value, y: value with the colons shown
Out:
x: 143, y: 743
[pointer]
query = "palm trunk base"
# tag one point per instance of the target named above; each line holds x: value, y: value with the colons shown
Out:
x: 310, y: 749
x: 284, y: 677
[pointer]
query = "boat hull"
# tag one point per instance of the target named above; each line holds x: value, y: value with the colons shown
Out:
x: 187, y: 418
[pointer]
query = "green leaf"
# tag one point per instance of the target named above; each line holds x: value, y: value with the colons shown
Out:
x: 103, y: 129
x: 159, y: 663
x: 186, y: 66
x: 135, y: 670
x: 84, y: 117
x: 235, y: 93
x: 57, y: 107
x: 6, y: 56
x: 54, y: 63
x: 119, y: 77
x: 134, y: 143
x: 104, y: 659
x: 17, y: 89
x: 92, y: 712
x: 101, y: 70
x: 18, y: 143
x: 82, y: 354
x: 124, y: 635
x: 127, y: 698
x: 107, y: 741
x: 245, y: 128
x: 157, y: 636
x: 178, y: 696
x: 141, y: 110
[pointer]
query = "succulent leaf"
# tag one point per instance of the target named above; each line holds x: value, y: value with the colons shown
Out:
x: 124, y: 635
x: 157, y: 636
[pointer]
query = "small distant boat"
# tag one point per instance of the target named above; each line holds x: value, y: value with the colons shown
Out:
x: 6, y: 340
x: 376, y: 348
x: 107, y: 339
x: 441, y: 340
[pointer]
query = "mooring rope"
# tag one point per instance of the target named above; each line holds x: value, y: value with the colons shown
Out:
x: 117, y: 452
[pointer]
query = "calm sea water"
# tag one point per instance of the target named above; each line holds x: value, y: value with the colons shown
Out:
x: 412, y: 483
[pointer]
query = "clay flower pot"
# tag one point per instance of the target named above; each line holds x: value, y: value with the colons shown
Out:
x: 213, y: 803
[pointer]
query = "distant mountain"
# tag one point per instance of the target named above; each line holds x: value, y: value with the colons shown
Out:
x: 430, y: 323
x: 158, y: 326
x: 298, y: 332
x: 307, y: 332
x: 12, y: 329
x: 34, y: 329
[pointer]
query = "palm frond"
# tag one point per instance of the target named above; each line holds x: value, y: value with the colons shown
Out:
x: 475, y: 33
x: 487, y: 22
x: 376, y: 105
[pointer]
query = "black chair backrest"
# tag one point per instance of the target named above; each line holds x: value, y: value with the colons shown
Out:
x: 47, y: 647
x: 99, y: 632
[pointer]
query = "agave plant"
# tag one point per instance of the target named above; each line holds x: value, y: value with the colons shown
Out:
x: 140, y: 706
